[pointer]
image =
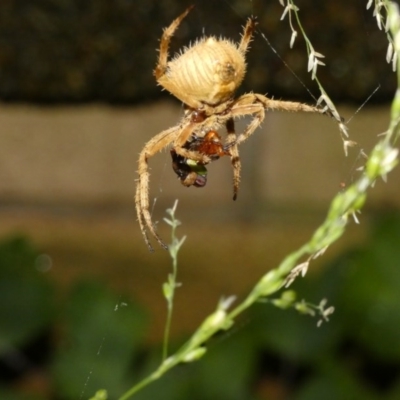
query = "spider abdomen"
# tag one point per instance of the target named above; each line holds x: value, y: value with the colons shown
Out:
x: 206, y: 73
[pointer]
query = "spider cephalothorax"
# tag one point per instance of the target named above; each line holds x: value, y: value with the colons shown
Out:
x: 204, y: 77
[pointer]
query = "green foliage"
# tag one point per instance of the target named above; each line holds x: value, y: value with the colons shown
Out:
x: 171, y: 284
x: 332, y: 382
x: 26, y: 297
x: 100, y: 395
x: 372, y: 295
x: 232, y: 359
x: 9, y: 394
x: 103, y: 334
x: 363, y: 284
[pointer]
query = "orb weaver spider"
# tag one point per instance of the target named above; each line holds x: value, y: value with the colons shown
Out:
x: 204, y: 76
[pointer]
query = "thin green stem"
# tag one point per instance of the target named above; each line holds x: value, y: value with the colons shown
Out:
x: 142, y: 384
x: 170, y: 298
x: 314, y: 60
x: 170, y: 286
x: 160, y: 371
x: 167, y: 329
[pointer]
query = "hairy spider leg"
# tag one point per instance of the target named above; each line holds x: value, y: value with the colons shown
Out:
x: 176, y: 135
x: 256, y: 104
x: 247, y: 35
x: 153, y: 146
x: 231, y: 143
x: 164, y: 44
x: 183, y: 137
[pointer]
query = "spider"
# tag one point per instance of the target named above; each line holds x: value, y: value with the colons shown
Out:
x: 204, y: 76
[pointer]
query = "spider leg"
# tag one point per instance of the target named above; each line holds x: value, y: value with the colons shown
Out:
x: 258, y: 112
x: 256, y: 104
x: 280, y: 105
x: 234, y: 153
x: 247, y: 34
x: 164, y: 44
x: 153, y: 146
x: 184, y: 137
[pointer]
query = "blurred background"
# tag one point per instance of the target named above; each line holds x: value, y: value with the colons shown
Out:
x: 81, y: 305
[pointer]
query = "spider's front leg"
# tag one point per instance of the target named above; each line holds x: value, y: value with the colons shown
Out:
x: 255, y: 104
x: 153, y: 146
